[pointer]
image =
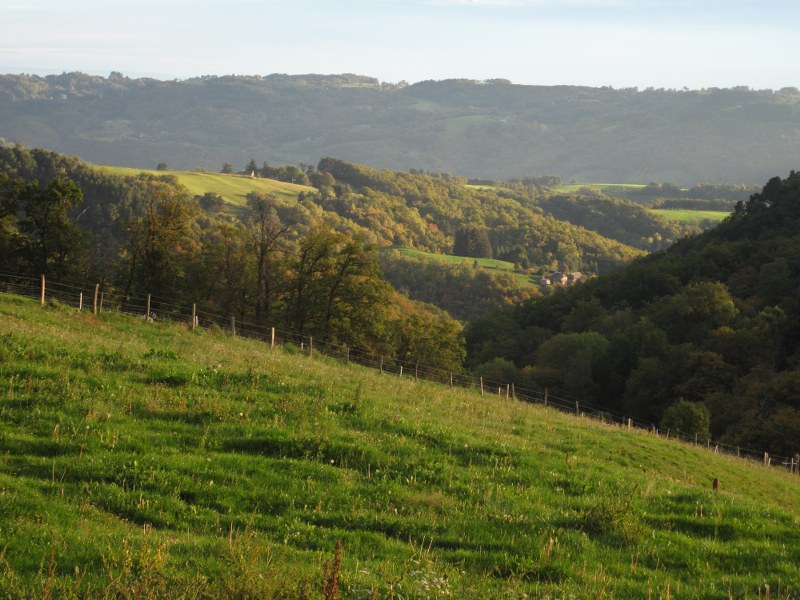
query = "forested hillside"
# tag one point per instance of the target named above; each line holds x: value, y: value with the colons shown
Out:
x: 516, y: 222
x: 704, y: 336
x: 479, y: 129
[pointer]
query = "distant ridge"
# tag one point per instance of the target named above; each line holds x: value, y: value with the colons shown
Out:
x: 481, y: 129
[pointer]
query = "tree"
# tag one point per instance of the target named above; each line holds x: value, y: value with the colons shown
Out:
x: 251, y: 168
x: 265, y: 232
x: 690, y: 418
x: 227, y: 168
x: 336, y: 291
x: 162, y: 166
x: 429, y: 338
x: 211, y: 201
x: 53, y: 243
x: 472, y: 242
x: 158, y: 240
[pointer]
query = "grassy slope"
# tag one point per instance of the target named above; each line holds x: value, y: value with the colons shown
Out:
x: 489, y: 264
x: 691, y: 217
x: 145, y: 458
x: 233, y: 188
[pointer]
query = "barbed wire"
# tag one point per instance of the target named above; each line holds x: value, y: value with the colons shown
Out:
x: 176, y: 311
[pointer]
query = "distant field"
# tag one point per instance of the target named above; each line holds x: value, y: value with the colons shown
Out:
x: 612, y: 189
x: 691, y: 217
x: 490, y: 264
x: 233, y: 188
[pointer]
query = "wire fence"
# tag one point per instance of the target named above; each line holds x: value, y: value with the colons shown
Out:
x: 98, y: 299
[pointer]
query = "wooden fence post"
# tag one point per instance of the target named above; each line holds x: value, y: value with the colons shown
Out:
x: 630, y: 424
x: 401, y: 370
x: 766, y: 458
x: 416, y: 372
x: 96, y: 291
x: 481, y: 386
x: 577, y: 408
x: 381, y: 363
x: 233, y: 326
x: 80, y: 302
x: 272, y: 338
x: 513, y: 392
x: 348, y: 354
x: 311, y: 346
x: 451, y: 379
x: 147, y: 311
x: 42, y: 289
x: 508, y: 391
x: 194, y: 315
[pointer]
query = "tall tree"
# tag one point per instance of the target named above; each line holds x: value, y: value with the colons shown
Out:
x: 265, y: 232
x: 158, y: 240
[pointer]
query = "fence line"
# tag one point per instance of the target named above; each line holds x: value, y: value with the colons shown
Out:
x: 149, y: 308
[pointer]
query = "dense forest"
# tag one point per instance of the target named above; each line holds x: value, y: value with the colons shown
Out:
x: 476, y: 128
x: 703, y: 337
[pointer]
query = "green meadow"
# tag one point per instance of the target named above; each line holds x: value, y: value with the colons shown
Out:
x: 489, y: 264
x: 146, y: 460
x: 691, y: 217
x: 233, y: 188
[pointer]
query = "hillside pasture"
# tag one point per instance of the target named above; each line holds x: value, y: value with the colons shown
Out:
x: 489, y: 264
x: 232, y: 187
x: 147, y: 460
x: 691, y: 217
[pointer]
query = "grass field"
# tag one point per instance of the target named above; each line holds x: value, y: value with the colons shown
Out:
x: 233, y: 188
x: 490, y: 264
x: 691, y: 217
x: 612, y: 189
x: 145, y: 460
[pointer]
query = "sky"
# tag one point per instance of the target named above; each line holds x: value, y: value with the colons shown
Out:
x: 671, y: 44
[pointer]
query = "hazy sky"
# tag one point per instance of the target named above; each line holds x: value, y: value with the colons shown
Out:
x: 622, y: 43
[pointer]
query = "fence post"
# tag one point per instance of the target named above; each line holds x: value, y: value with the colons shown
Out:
x: 401, y: 370
x: 233, y: 326
x: 96, y: 291
x: 194, y: 315
x: 577, y: 408
x: 272, y: 338
x: 630, y: 424
x: 545, y: 396
x: 42, y: 289
x: 147, y: 311
x: 80, y: 302
x: 766, y: 459
x: 481, y: 386
x: 311, y: 346
x: 451, y: 379
x: 508, y: 391
x: 347, y: 349
x: 513, y: 392
x: 416, y: 372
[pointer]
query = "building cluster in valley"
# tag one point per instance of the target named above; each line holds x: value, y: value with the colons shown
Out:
x: 562, y: 279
